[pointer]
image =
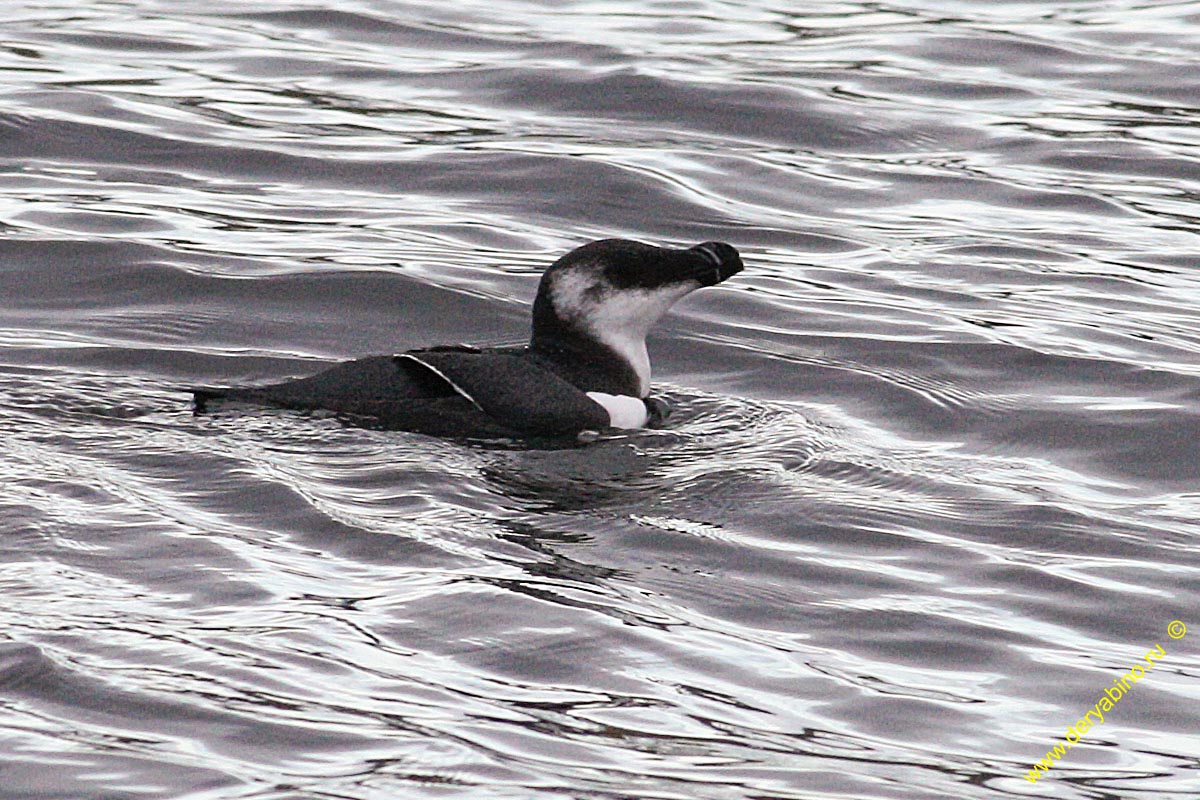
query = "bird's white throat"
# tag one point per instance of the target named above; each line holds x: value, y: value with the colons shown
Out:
x: 618, y: 318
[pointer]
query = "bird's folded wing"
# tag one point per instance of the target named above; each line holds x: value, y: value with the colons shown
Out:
x: 511, y: 390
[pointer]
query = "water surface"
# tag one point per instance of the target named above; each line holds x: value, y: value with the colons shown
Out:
x: 930, y: 486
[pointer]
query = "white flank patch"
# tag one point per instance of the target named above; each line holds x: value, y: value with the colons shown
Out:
x: 623, y: 411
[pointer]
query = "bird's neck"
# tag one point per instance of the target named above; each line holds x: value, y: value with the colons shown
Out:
x: 594, y: 365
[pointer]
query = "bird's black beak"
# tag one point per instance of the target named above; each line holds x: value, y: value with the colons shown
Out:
x: 720, y: 262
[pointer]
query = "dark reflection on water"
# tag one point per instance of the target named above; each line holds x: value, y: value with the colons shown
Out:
x: 929, y: 488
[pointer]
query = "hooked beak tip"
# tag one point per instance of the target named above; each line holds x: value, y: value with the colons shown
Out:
x: 725, y: 261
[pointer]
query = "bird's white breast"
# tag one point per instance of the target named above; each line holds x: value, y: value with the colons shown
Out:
x: 623, y: 411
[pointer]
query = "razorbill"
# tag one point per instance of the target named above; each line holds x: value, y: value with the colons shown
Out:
x: 585, y: 367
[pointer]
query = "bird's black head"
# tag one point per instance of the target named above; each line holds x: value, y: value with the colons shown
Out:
x: 625, y: 264
x: 611, y: 292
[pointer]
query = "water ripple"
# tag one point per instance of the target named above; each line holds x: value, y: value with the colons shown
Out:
x: 928, y: 488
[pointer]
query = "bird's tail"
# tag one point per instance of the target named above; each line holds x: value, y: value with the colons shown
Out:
x: 203, y: 395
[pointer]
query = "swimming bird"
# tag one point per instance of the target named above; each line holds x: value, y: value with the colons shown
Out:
x: 585, y: 368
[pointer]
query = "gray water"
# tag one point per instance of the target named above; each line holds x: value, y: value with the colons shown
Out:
x: 930, y: 488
